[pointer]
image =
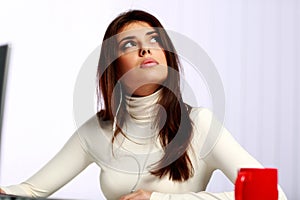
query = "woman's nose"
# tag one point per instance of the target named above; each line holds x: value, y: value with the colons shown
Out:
x: 144, y: 51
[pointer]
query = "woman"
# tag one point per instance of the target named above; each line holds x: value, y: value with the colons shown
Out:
x: 145, y: 137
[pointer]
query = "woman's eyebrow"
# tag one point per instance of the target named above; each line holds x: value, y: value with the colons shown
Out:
x: 127, y: 38
x: 151, y: 32
x: 133, y: 37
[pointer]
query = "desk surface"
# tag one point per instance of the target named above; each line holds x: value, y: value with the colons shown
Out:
x: 14, y: 197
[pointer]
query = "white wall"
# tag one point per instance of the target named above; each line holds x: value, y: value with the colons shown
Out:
x: 254, y: 45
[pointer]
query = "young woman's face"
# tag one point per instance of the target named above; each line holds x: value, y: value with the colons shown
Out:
x: 141, y: 59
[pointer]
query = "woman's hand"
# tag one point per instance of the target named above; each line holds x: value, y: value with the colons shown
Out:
x: 2, y: 192
x: 137, y: 195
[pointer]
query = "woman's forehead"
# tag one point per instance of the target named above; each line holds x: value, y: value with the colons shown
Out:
x: 135, y: 29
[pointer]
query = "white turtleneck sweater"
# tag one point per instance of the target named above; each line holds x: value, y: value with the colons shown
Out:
x: 129, y: 158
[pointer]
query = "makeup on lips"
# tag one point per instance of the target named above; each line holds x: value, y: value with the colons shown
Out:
x: 148, y: 62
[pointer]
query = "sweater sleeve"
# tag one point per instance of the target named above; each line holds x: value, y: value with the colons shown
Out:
x: 193, y: 196
x: 225, y: 154
x: 228, y: 156
x: 65, y: 165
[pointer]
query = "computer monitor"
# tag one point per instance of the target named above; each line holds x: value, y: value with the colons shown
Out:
x: 4, y: 54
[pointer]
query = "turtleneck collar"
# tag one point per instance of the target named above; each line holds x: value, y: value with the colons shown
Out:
x: 143, y: 109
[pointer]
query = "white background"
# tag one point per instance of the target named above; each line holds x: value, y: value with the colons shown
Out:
x: 253, y: 43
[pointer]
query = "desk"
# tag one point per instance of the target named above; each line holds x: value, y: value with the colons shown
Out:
x: 14, y: 197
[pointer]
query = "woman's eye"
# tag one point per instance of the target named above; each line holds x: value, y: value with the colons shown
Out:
x: 128, y: 44
x: 154, y: 39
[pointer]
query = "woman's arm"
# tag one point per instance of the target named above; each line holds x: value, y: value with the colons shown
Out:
x: 143, y: 194
x: 228, y: 156
x: 67, y: 163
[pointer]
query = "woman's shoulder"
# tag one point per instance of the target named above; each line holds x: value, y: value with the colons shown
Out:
x: 201, y: 113
x: 94, y: 129
x: 207, y: 129
x: 94, y: 123
x: 95, y: 136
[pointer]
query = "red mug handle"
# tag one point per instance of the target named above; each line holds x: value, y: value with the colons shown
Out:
x: 239, y: 185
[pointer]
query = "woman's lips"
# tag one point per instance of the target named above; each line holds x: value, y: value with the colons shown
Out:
x: 149, y: 62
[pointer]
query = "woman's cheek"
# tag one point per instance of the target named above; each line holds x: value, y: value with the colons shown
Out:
x: 126, y: 63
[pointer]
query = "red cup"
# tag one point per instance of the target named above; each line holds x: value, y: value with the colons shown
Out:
x: 256, y: 184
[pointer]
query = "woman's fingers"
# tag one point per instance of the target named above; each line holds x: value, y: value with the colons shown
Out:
x: 137, y: 195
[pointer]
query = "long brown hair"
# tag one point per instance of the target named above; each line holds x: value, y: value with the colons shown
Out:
x: 176, y: 162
